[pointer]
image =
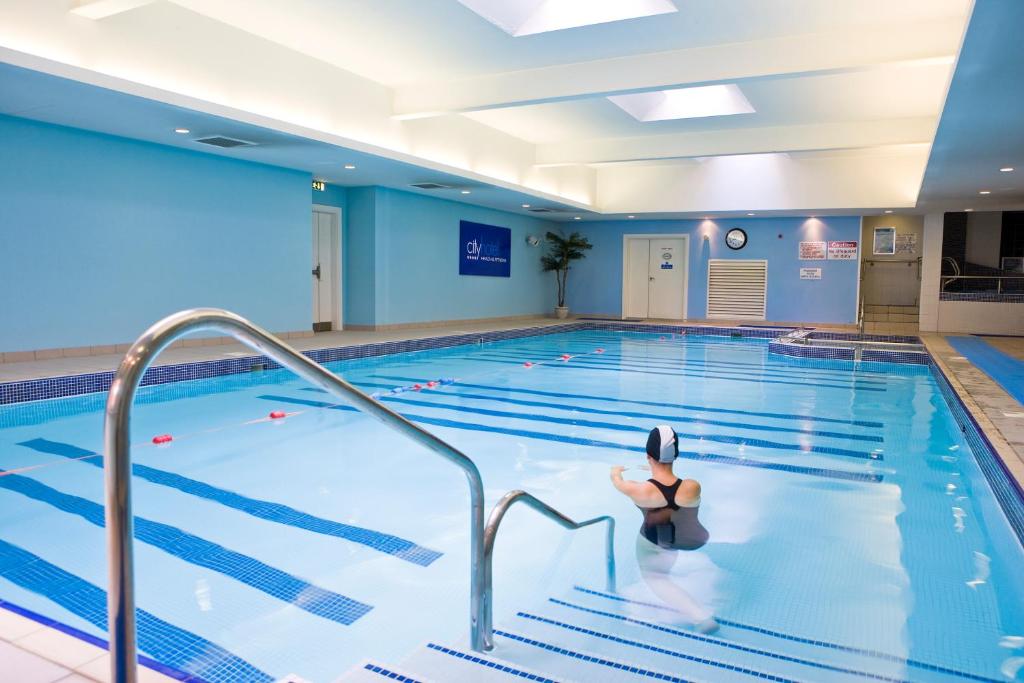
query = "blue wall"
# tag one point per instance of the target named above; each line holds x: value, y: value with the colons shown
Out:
x: 595, y: 285
x: 101, y: 236
x: 412, y: 243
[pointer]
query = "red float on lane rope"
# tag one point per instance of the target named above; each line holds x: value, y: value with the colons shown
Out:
x: 527, y: 364
x: 162, y: 438
x: 431, y: 384
x: 416, y: 387
x: 566, y: 356
x: 277, y: 414
x: 599, y: 351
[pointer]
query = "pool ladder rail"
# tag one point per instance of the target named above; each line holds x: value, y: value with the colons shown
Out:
x: 117, y: 465
x: 491, y: 533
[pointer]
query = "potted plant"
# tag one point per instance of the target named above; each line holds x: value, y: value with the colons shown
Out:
x: 562, y: 251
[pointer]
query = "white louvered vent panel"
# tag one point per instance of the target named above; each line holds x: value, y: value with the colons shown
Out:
x: 737, y: 290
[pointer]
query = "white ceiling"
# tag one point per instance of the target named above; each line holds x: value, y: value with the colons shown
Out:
x: 396, y: 42
x: 841, y: 88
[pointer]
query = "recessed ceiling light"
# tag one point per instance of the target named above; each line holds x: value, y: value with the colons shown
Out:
x: 1006, y: 169
x: 527, y: 17
x: 575, y: 218
x: 888, y: 210
x: 350, y: 167
x: 526, y: 206
x: 985, y: 192
x: 684, y: 103
x: 182, y: 131
x: 968, y: 210
x: 751, y: 214
x: 465, y: 191
x: 630, y: 216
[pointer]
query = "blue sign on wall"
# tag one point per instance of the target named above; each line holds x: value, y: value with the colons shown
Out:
x: 484, y: 250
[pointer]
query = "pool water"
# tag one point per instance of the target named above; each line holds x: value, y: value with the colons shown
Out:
x: 841, y: 503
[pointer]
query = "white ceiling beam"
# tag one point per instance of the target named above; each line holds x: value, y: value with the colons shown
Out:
x: 101, y: 9
x: 802, y: 138
x: 805, y: 55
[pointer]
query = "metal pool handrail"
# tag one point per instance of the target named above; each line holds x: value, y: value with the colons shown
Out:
x: 117, y: 462
x: 491, y: 532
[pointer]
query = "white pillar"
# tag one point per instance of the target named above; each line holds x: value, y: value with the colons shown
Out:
x: 931, y: 272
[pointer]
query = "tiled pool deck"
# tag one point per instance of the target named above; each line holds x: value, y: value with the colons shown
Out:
x: 33, y: 652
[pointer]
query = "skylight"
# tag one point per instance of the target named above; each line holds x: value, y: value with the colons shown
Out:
x: 685, y: 103
x: 527, y: 17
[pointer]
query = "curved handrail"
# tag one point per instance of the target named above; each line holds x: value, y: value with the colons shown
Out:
x: 117, y: 461
x: 486, y: 598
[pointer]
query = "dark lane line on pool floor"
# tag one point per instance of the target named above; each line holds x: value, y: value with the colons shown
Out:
x: 199, y: 551
x: 850, y: 381
x: 873, y: 654
x: 868, y: 477
x: 261, y: 509
x: 765, y: 369
x: 656, y: 404
x: 614, y: 426
x: 621, y: 413
x: 166, y: 643
x: 702, y: 375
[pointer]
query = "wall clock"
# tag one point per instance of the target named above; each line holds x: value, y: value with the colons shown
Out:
x: 736, y: 238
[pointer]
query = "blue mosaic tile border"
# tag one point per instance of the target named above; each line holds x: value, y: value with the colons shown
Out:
x: 1005, y: 487
x: 611, y: 664
x: 990, y: 297
x: 389, y: 674
x: 854, y: 336
x: 74, y: 385
x: 497, y: 666
x: 808, y: 351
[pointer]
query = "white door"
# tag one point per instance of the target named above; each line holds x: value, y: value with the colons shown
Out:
x: 667, y: 279
x: 323, y: 270
x: 655, y: 278
x: 637, y: 277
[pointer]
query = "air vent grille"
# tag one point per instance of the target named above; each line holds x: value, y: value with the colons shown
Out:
x: 224, y: 142
x: 541, y: 209
x: 430, y: 186
x: 737, y: 289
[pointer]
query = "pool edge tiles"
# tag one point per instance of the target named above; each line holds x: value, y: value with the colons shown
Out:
x: 1008, y: 491
x: 63, y: 386
x: 72, y: 632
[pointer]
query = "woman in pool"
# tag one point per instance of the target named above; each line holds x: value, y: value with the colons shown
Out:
x: 670, y: 506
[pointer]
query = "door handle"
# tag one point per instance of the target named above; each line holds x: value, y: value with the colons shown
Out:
x: 316, y: 271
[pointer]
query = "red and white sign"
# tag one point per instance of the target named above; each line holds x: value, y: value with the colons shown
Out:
x: 812, y: 251
x: 842, y: 251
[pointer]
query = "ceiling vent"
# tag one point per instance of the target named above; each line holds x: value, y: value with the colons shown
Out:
x: 431, y: 186
x: 543, y: 209
x: 224, y: 142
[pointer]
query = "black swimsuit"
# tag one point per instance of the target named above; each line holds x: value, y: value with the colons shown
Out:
x: 670, y: 526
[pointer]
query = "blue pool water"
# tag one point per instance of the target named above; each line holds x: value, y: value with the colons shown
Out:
x: 845, y: 511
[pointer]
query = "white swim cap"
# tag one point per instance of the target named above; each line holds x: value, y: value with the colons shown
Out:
x: 663, y: 444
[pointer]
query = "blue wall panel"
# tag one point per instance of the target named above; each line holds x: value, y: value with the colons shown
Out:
x: 417, y: 267
x: 102, y: 236
x: 595, y: 284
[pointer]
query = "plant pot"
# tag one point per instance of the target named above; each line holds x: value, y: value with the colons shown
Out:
x: 561, y: 312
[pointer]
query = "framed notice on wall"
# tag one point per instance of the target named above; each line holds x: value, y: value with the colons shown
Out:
x: 812, y: 251
x: 810, y: 273
x: 885, y: 242
x: 484, y: 250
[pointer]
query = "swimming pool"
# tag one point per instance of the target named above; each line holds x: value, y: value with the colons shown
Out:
x: 853, y: 534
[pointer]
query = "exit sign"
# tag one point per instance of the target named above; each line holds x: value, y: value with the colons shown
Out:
x: 319, y: 185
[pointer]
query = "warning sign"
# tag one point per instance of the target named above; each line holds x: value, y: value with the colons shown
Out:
x: 842, y: 251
